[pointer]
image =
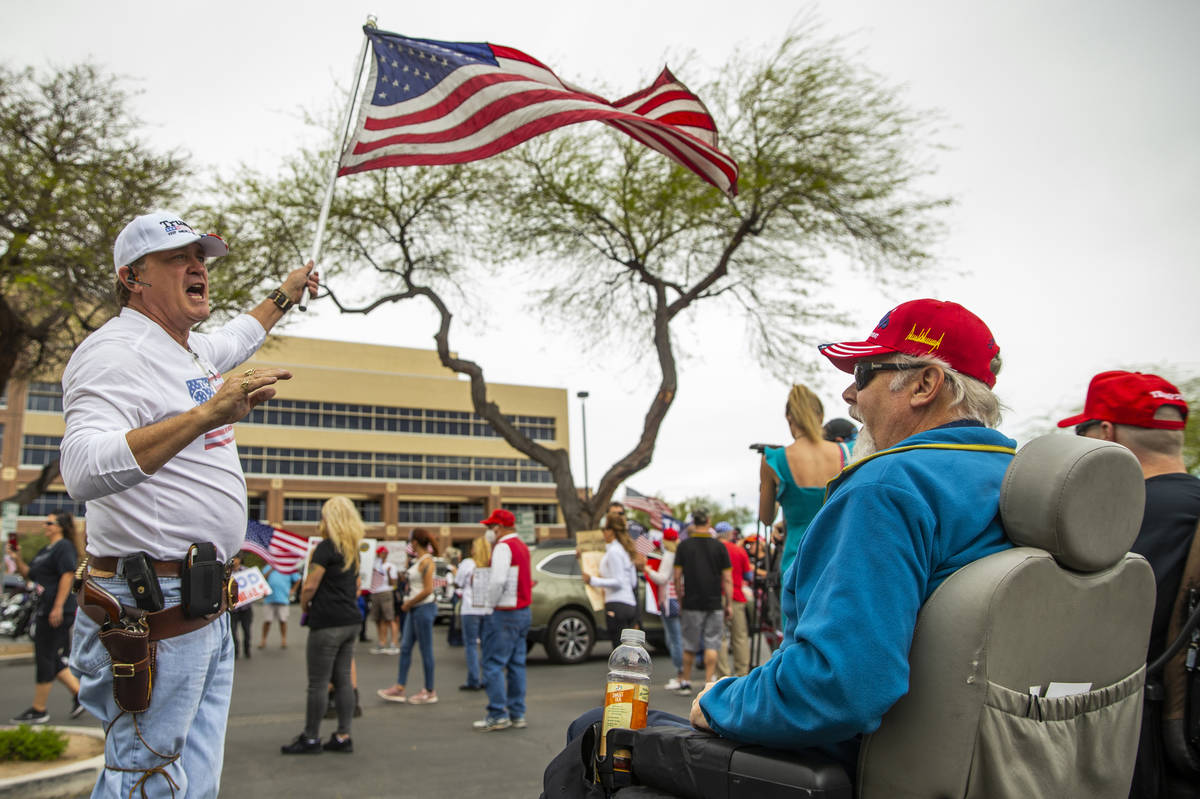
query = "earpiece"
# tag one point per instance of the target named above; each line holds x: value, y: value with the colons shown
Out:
x: 132, y: 280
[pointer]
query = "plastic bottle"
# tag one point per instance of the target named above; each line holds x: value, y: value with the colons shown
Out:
x: 627, y: 692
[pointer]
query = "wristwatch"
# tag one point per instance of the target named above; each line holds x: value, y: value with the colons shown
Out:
x: 281, y: 300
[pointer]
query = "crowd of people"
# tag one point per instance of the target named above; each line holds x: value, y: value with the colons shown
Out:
x: 865, y: 538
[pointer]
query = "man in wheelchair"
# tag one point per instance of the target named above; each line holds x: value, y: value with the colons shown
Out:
x: 975, y: 705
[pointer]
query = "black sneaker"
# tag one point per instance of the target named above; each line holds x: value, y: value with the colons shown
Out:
x: 302, y: 746
x: 31, y: 716
x: 77, y: 709
x: 334, y: 745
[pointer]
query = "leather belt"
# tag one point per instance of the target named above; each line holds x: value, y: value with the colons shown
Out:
x: 163, y: 624
x: 107, y: 567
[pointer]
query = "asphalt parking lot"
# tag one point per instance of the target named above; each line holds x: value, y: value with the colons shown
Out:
x: 399, y: 750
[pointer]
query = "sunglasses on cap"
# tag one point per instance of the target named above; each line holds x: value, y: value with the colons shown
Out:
x: 864, y: 373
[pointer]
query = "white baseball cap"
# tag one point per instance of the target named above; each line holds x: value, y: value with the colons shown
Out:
x: 158, y: 231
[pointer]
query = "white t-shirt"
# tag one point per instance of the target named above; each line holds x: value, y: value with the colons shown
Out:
x: 382, y: 576
x: 128, y: 374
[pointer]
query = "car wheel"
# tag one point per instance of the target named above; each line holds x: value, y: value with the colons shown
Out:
x: 570, y: 637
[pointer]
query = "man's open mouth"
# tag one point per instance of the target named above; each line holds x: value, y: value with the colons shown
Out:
x: 196, y: 290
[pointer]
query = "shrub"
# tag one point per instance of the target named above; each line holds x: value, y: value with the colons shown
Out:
x: 26, y: 743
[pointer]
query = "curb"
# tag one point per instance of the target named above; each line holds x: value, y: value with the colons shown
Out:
x: 61, y: 782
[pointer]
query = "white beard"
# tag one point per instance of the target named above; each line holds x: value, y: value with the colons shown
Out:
x: 864, y: 445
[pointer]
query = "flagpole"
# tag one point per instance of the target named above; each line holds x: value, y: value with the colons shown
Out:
x: 323, y: 217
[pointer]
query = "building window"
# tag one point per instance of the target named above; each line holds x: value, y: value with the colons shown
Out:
x: 439, y: 512
x: 256, y: 508
x: 347, y: 464
x: 39, y: 450
x: 52, y: 502
x: 543, y: 513
x: 304, y: 511
x: 389, y: 419
x: 371, y: 510
x: 44, y: 397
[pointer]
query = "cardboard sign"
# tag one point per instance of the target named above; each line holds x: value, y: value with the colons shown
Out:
x: 590, y: 544
x: 252, y: 586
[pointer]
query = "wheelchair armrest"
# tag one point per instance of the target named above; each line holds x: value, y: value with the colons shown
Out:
x: 695, y: 765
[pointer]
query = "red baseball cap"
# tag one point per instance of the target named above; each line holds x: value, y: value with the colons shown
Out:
x: 1130, y: 398
x: 670, y: 534
x: 501, y: 518
x: 921, y: 328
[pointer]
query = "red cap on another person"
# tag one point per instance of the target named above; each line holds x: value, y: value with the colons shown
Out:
x: 670, y: 534
x: 381, y: 552
x: 1130, y: 398
x: 501, y: 518
x: 921, y: 328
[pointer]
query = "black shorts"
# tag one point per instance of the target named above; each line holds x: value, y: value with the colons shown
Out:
x: 51, y: 646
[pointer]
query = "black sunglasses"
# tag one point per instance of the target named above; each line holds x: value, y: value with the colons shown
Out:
x: 1082, y: 428
x: 864, y: 373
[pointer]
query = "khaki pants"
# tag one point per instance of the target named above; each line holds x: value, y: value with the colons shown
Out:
x: 737, y: 640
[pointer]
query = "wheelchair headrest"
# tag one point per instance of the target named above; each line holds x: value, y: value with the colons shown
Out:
x: 1078, y: 498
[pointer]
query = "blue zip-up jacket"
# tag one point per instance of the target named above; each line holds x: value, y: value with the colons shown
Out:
x: 892, y: 528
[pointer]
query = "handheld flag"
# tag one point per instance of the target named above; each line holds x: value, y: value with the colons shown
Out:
x: 651, y: 505
x: 284, y: 550
x: 433, y: 102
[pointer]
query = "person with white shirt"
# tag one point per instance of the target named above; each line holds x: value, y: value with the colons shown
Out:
x: 472, y: 579
x: 149, y: 446
x: 617, y: 577
x: 510, y: 593
x: 381, y: 607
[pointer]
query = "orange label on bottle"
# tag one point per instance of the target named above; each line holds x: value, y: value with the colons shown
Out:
x: 641, y: 704
x: 620, y: 708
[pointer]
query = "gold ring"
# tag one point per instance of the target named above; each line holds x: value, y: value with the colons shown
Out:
x: 248, y: 372
x: 245, y: 386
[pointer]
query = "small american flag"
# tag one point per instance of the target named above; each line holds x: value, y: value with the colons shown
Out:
x: 284, y: 550
x: 651, y: 505
x: 433, y: 102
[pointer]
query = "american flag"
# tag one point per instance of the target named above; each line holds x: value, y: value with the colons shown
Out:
x: 285, y: 551
x: 643, y: 542
x: 651, y: 505
x: 434, y: 102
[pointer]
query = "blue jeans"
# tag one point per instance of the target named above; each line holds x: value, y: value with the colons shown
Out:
x: 504, y: 662
x: 674, y: 631
x: 189, y: 707
x: 418, y: 628
x: 473, y: 627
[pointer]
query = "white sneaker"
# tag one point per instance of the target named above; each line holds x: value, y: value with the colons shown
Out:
x: 379, y: 650
x: 673, y: 684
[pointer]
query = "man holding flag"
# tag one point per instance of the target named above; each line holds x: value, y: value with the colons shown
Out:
x: 149, y: 446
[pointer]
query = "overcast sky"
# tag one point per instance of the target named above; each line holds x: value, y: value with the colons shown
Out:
x: 1072, y: 132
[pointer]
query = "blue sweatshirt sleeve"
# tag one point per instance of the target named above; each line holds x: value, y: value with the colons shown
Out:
x: 844, y: 662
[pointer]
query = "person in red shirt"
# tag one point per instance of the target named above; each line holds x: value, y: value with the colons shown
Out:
x: 739, y: 622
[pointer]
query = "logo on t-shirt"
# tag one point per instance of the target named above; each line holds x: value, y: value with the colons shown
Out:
x: 201, y: 391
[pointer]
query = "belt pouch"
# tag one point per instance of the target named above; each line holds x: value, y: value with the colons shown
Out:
x: 203, y: 583
x: 132, y: 654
